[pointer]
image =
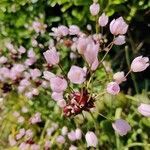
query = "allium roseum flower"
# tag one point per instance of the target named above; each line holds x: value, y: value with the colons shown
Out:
x: 78, y: 133
x: 35, y: 73
x: 94, y: 9
x: 139, y: 64
x: 76, y: 75
x: 103, y: 20
x: 61, y: 103
x: 72, y: 147
x: 119, y: 40
x: 57, y: 96
x: 118, y: 26
x: 35, y: 118
x: 119, y: 77
x: 3, y: 60
x: 74, y: 30
x: 113, y: 88
x: 21, y: 50
x: 51, y: 56
x: 121, y: 127
x: 58, y: 84
x: 64, y: 130
x: 72, y: 136
x: 48, y: 75
x: 144, y: 109
x: 60, y: 31
x: 60, y: 139
x: 91, y: 139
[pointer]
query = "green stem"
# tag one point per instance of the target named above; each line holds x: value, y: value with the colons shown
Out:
x: 132, y: 75
x: 137, y: 144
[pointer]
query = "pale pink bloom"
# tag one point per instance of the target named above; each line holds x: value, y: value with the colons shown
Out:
x: 121, y: 127
x: 89, y: 27
x: 64, y: 130
x: 74, y: 30
x: 78, y: 133
x: 31, y: 54
x: 139, y: 64
x: 60, y: 31
x: 103, y: 20
x: 25, y: 82
x: 35, y: 73
x: 76, y: 75
x: 29, y: 134
x: 30, y: 61
x: 61, y: 103
x: 11, y: 48
x: 119, y: 77
x: 94, y: 9
x: 113, y: 88
x: 81, y: 45
x: 34, y: 42
x: 119, y: 40
x: 45, y: 84
x: 21, y: 119
x: 50, y: 131
x: 35, y: 91
x: 58, y: 84
x: 48, y: 75
x: 21, y: 89
x: 57, y: 96
x: 118, y: 26
x: 51, y: 56
x: 73, y: 56
x: 36, y: 118
x: 3, y: 60
x: 91, y: 55
x: 21, y: 50
x: 16, y: 114
x: 35, y: 147
x: 60, y: 139
x: 47, y: 145
x: 144, y: 109
x: 11, y: 140
x: 91, y: 139
x: 20, y: 134
x: 72, y: 136
x: 29, y: 95
x: 72, y: 147
x: 39, y: 27
x: 24, y: 146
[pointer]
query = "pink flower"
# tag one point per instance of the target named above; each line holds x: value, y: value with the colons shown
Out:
x: 35, y: 147
x: 72, y: 147
x: 58, y: 84
x: 57, y: 96
x: 51, y: 56
x: 139, y: 64
x: 144, y: 109
x: 21, y: 50
x: 91, y: 139
x: 94, y: 9
x: 39, y: 27
x: 91, y: 55
x: 20, y: 134
x: 31, y: 54
x: 60, y: 139
x: 35, y: 73
x: 78, y: 133
x: 74, y: 30
x: 81, y: 45
x: 3, y: 60
x: 103, y: 20
x: 113, y: 88
x: 119, y: 77
x: 60, y: 31
x: 118, y: 26
x: 61, y: 103
x: 76, y: 75
x: 64, y: 130
x: 121, y: 127
x: 35, y: 118
x: 48, y: 75
x: 72, y: 136
x: 119, y: 40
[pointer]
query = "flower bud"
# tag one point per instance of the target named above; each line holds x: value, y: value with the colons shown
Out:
x: 61, y: 103
x: 144, y: 109
x: 57, y: 96
x: 76, y: 75
x: 121, y: 127
x: 94, y: 9
x: 118, y: 26
x: 51, y: 56
x: 113, y: 88
x: 120, y: 40
x: 103, y: 20
x: 78, y: 133
x: 60, y: 139
x: 72, y: 136
x: 91, y: 139
x: 119, y: 77
x: 74, y: 30
x: 72, y: 147
x: 64, y: 130
x: 139, y: 64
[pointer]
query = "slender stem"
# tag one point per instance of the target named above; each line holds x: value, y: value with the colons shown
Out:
x: 137, y: 144
x: 132, y: 75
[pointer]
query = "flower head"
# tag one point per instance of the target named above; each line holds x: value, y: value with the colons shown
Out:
x: 144, y: 109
